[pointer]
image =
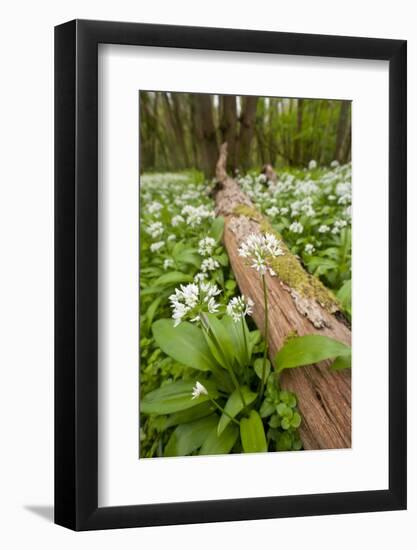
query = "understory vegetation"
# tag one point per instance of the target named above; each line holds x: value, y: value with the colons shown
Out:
x: 207, y: 385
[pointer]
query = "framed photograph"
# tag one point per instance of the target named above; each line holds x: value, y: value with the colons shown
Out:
x: 230, y: 253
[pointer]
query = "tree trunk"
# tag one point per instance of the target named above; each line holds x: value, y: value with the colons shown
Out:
x: 206, y: 132
x: 298, y: 140
x: 324, y: 396
x: 228, y: 128
x: 172, y: 109
x: 247, y: 130
x: 343, y: 128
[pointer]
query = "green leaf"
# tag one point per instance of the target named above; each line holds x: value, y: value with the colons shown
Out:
x: 220, y: 444
x: 259, y: 365
x: 296, y: 420
x: 235, y: 331
x: 194, y: 413
x: 173, y: 278
x: 254, y: 339
x: 218, y: 340
x: 344, y: 295
x: 217, y: 228
x: 152, y: 309
x: 252, y: 434
x: 189, y: 256
x: 184, y: 343
x: 234, y: 406
x: 174, y: 397
x: 307, y: 350
x: 187, y: 438
x: 267, y: 408
x: 342, y: 362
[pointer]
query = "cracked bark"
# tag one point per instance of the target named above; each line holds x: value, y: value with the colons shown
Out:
x: 324, y: 396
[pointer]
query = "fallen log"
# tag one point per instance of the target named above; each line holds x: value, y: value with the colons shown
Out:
x: 298, y: 303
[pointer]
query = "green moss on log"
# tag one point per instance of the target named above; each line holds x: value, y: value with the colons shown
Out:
x: 289, y: 269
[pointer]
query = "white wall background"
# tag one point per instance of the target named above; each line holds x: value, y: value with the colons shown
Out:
x: 26, y: 286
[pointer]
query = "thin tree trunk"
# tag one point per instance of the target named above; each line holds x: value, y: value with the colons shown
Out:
x: 324, y: 396
x: 172, y: 109
x: 342, y: 130
x: 247, y: 130
x: 228, y: 128
x: 298, y: 141
x: 206, y: 132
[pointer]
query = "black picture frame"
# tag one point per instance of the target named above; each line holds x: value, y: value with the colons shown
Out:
x: 76, y: 272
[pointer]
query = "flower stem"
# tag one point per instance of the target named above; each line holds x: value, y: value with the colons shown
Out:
x: 223, y: 411
x: 261, y: 391
x: 246, y: 350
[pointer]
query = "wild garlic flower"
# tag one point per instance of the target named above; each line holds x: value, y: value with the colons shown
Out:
x: 206, y: 246
x: 168, y: 262
x: 176, y: 220
x: 309, y: 248
x: 154, y: 208
x: 200, y: 277
x: 296, y: 227
x: 172, y: 237
x: 191, y: 300
x: 239, y: 307
x: 334, y: 164
x: 157, y: 246
x: 259, y: 249
x: 155, y: 229
x: 312, y: 165
x: 324, y: 229
x: 272, y: 212
x: 198, y: 390
x: 196, y: 214
x: 209, y: 264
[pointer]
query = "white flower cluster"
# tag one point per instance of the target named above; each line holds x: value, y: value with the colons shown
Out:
x: 296, y: 227
x: 198, y: 390
x: 154, y: 208
x: 196, y: 214
x: 155, y: 229
x: 312, y: 165
x: 157, y: 246
x: 206, y: 246
x: 176, y: 220
x: 324, y: 229
x: 209, y: 264
x: 259, y: 249
x: 191, y: 300
x: 309, y: 248
x: 168, y: 263
x: 239, y: 307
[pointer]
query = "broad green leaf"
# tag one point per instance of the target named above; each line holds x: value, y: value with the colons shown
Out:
x: 150, y: 312
x: 189, y: 256
x: 187, y: 438
x: 252, y: 434
x: 218, y: 340
x: 235, y: 331
x: 173, y: 278
x: 344, y: 295
x: 267, y: 408
x: 217, y: 228
x: 184, y: 343
x: 194, y: 413
x: 342, y: 362
x: 174, y: 397
x: 254, y: 338
x: 259, y: 365
x: 220, y: 444
x: 307, y: 350
x: 234, y: 406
